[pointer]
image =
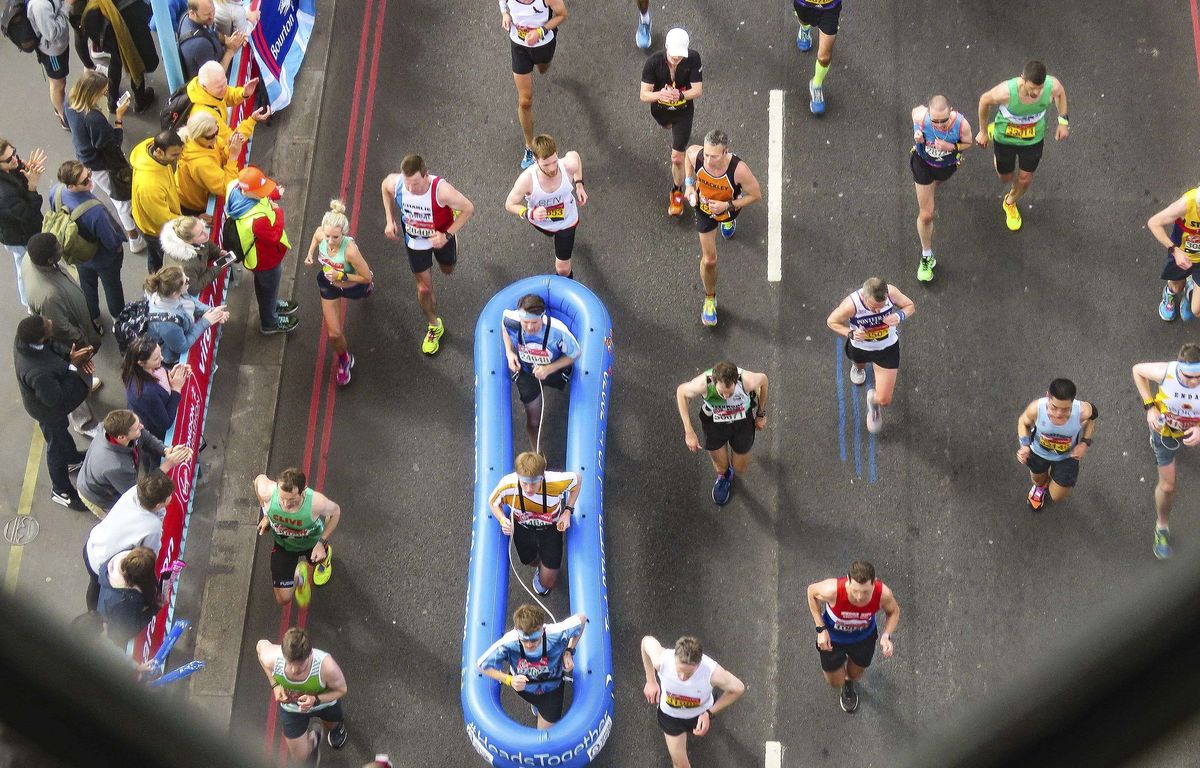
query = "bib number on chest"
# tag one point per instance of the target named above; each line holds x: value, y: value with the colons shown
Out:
x: 1020, y: 131
x: 1055, y: 443
x: 533, y: 356
x: 679, y: 701
x: 419, y: 228
x: 875, y: 332
x: 726, y: 413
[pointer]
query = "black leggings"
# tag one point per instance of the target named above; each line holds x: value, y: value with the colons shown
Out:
x: 564, y: 241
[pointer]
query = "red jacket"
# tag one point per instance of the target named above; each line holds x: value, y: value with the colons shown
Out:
x: 269, y: 240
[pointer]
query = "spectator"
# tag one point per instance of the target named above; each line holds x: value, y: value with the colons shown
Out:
x: 250, y: 202
x: 20, y: 204
x: 129, y: 595
x: 151, y: 392
x: 177, y: 320
x: 211, y: 92
x: 187, y: 244
x: 200, y: 42
x: 122, y: 30
x: 95, y: 224
x: 134, y: 521
x: 234, y: 16
x: 49, y: 21
x: 98, y: 146
x: 207, y: 165
x: 155, y: 194
x: 110, y: 466
x: 53, y: 383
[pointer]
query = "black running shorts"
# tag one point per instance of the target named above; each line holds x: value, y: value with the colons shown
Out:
x: 738, y: 435
x: 1008, y: 156
x: 527, y: 383
x: 422, y: 261
x: 1065, y: 472
x: 524, y: 58
x: 283, y: 566
x: 925, y: 174
x: 860, y: 653
x: 824, y: 19
x: 543, y: 543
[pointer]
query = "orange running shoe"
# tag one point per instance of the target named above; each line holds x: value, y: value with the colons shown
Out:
x: 675, y: 208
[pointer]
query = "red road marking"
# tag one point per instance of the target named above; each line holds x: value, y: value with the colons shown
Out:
x: 1196, y: 34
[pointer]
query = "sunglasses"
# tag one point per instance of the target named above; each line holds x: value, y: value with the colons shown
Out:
x: 11, y: 158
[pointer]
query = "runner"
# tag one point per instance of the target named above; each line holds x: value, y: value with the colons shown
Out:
x: 1019, y: 129
x: 307, y: 683
x: 723, y: 186
x: 683, y: 691
x: 822, y: 14
x: 432, y: 211
x: 301, y: 521
x: 540, y: 351
x: 730, y: 395
x: 1054, y: 433
x: 534, y: 498
x: 531, y: 26
x: 869, y: 319
x: 940, y: 134
x: 846, y: 628
x: 1174, y: 422
x: 344, y: 275
x: 671, y: 81
x: 536, y: 655
x: 1183, y: 256
x: 548, y: 195
x: 643, y: 31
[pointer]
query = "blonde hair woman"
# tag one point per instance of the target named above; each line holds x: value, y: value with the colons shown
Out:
x: 187, y: 244
x: 177, y: 318
x: 344, y: 275
x: 207, y: 165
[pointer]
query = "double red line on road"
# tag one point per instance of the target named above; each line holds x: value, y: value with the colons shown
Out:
x: 324, y: 365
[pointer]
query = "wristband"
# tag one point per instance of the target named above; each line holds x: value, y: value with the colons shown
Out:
x: 1170, y: 251
x: 1025, y: 441
x: 1063, y: 120
x: 323, y: 542
x: 578, y: 181
x: 689, y: 182
x: 508, y: 680
x: 822, y: 628
x: 523, y: 213
x: 1147, y: 405
x: 900, y: 314
x: 569, y: 650
x: 760, y: 414
x: 1087, y: 441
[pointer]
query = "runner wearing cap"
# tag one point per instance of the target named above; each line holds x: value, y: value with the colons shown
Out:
x: 540, y: 351
x: 824, y: 15
x: 671, y: 81
x: 940, y: 134
x: 548, y: 195
x: 531, y: 26
x: 252, y: 204
x: 643, y: 31
x: 535, y: 507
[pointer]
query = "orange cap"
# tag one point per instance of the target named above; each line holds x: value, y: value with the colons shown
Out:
x: 254, y: 181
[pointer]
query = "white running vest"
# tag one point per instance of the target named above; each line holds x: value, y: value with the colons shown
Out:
x: 1179, y: 405
x: 879, y: 335
x: 561, y: 210
x: 684, y: 699
x: 527, y: 16
x: 419, y: 215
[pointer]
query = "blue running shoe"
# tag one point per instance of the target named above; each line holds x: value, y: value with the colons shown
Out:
x: 527, y: 158
x: 804, y: 39
x: 728, y: 228
x: 643, y: 35
x: 723, y: 487
x: 1185, y: 304
x: 708, y: 313
x: 1162, y: 542
x: 1169, y: 305
x: 816, y: 98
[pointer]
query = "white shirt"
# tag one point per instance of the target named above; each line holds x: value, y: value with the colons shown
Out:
x: 126, y: 526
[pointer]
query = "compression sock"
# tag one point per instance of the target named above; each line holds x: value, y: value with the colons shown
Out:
x: 819, y: 75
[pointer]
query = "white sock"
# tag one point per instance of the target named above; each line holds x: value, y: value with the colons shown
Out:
x: 926, y: 253
x: 646, y: 17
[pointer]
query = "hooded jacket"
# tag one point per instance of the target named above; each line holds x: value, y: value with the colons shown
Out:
x: 155, y: 195
x: 50, y: 22
x: 204, y: 171
x: 234, y: 95
x: 194, y: 260
x: 53, y: 294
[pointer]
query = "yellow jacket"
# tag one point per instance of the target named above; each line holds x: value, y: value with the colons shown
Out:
x: 202, y: 172
x: 201, y: 99
x: 155, y: 197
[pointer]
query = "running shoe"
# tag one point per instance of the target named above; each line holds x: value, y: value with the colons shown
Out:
x: 849, y: 697
x: 137, y: 245
x: 337, y: 737
x: 858, y: 375
x: 345, y: 363
x: 303, y: 583
x: 925, y: 268
x: 804, y: 39
x: 816, y: 98
x: 283, y: 324
x: 1185, y: 304
x: 1037, y: 496
x: 728, y: 228
x: 874, y: 413
x: 536, y: 583
x: 1162, y: 543
x: 643, y: 35
x: 433, y: 338
x: 1012, y: 214
x: 286, y: 307
x: 68, y: 500
x: 324, y: 569
x: 708, y: 314
x: 1169, y: 305
x: 675, y: 206
x: 723, y: 487
x: 527, y: 158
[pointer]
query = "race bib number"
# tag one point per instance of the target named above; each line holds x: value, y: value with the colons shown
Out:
x: 1180, y: 423
x: 1055, y: 443
x: 842, y: 626
x: 875, y: 332
x: 534, y: 670
x: 556, y: 212
x: 934, y: 152
x: 1191, y: 243
x: 534, y: 356
x: 728, y: 413
x: 672, y: 104
x: 1020, y: 131
x: 679, y: 701
x: 419, y: 228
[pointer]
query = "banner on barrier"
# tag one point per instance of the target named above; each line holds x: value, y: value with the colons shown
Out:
x: 280, y: 40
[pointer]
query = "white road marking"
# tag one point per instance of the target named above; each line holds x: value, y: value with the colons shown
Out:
x: 774, y: 748
x: 775, y: 198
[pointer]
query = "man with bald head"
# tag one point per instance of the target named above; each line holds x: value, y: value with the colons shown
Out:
x: 940, y: 135
x: 200, y: 42
x: 210, y: 90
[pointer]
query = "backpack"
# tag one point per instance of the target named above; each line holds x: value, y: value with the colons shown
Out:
x: 63, y: 224
x: 14, y: 23
x: 134, y: 321
x: 175, y: 112
x: 192, y: 35
x: 231, y: 240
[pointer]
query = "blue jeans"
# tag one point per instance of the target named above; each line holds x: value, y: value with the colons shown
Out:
x: 266, y: 290
x: 114, y: 295
x: 18, y: 253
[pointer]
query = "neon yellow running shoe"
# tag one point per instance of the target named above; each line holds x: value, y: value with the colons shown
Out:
x: 1012, y: 214
x: 303, y: 583
x: 324, y: 569
x: 432, y: 339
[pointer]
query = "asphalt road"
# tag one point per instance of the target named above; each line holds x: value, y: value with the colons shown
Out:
x: 936, y: 501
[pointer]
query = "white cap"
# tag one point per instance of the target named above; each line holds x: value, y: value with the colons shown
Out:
x: 677, y: 42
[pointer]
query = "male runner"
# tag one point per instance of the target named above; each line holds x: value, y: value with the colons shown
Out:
x: 539, y: 516
x: 1173, y: 415
x: 548, y: 195
x: 681, y: 682
x: 540, y: 351
x: 846, y: 628
x: 718, y: 186
x: 1183, y: 256
x: 307, y: 683
x: 432, y: 212
x: 1019, y: 129
x: 671, y: 80
x: 1054, y: 433
x: 734, y: 407
x: 823, y: 14
x: 940, y: 134
x: 536, y: 655
x: 643, y: 31
x: 301, y: 521
x: 869, y: 319
x: 531, y: 26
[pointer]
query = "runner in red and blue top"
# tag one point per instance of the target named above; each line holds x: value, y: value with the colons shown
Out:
x: 824, y: 15
x: 940, y: 134
x: 846, y: 628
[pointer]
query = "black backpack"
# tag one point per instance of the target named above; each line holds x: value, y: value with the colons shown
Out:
x: 134, y: 321
x: 14, y: 23
x: 175, y: 112
x: 231, y: 239
x: 192, y: 35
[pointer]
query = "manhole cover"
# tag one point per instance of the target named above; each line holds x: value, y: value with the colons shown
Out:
x: 21, y: 530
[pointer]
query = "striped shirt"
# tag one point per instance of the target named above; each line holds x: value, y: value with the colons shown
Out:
x: 530, y: 510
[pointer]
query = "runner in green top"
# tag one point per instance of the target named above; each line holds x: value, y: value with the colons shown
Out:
x: 1019, y: 129
x: 307, y: 683
x: 301, y: 521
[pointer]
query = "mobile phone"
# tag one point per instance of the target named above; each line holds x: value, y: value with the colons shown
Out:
x: 225, y: 260
x: 125, y: 97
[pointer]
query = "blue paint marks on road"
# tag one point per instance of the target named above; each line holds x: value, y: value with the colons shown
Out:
x: 871, y: 436
x: 857, y: 437
x: 840, y: 366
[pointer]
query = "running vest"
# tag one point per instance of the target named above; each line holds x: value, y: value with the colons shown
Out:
x: 527, y: 16
x: 1023, y: 124
x: 849, y: 623
x: 561, y: 211
x: 539, y: 510
x: 931, y: 154
x: 879, y: 335
x: 295, y: 531
x: 312, y: 685
x: 336, y: 263
x: 1179, y: 405
x: 684, y: 699
x: 422, y: 214
x: 711, y: 187
x: 725, y: 409
x: 1187, y: 228
x: 535, y: 355
x: 1051, y: 441
x: 537, y: 669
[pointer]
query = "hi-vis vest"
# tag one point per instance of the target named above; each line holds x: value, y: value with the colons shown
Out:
x: 245, y: 228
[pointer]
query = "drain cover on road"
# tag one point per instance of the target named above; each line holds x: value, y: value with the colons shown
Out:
x: 21, y: 530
